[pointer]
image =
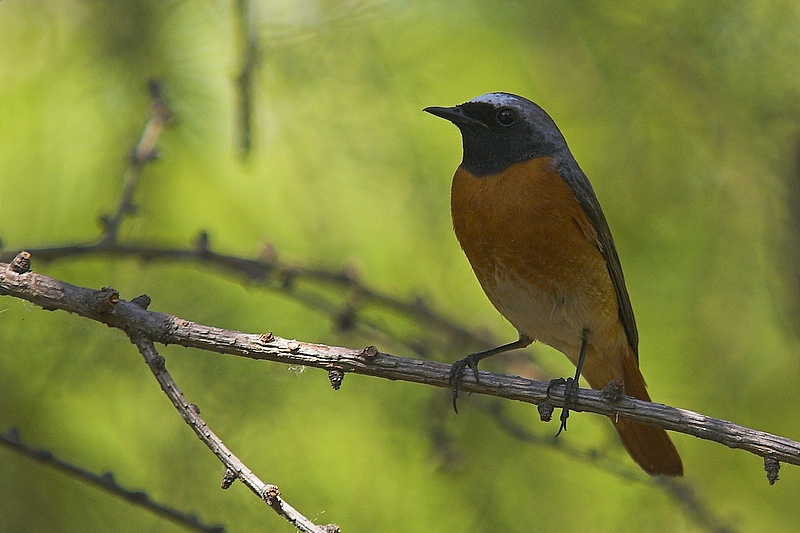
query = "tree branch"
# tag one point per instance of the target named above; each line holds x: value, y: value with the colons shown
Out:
x: 235, y: 468
x: 145, y: 151
x: 249, y: 50
x: 138, y: 323
x: 106, y: 481
x: 271, y: 273
x: 105, y: 306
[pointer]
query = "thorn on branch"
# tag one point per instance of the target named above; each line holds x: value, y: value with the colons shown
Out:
x: 336, y: 376
x: 228, y: 478
x: 771, y: 467
x: 267, y: 337
x: 614, y: 391
x: 21, y: 263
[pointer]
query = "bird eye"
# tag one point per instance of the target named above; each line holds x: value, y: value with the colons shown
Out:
x: 506, y: 116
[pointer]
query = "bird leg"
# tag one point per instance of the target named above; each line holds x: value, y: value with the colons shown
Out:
x: 471, y: 361
x: 571, y: 385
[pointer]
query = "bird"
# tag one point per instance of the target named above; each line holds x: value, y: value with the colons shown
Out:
x: 531, y: 226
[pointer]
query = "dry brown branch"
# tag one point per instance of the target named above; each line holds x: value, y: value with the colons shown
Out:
x: 337, y: 293
x: 274, y: 274
x: 102, y: 305
x: 235, y: 468
x: 322, y: 290
x: 105, y: 306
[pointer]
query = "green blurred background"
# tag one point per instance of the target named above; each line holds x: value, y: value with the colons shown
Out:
x: 685, y: 116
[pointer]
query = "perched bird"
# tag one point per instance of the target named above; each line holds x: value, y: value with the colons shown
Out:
x: 530, y: 224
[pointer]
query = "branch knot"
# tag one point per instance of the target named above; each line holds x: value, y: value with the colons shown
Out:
x: 336, y: 376
x: 104, y: 300
x: 771, y: 467
x: 21, y: 263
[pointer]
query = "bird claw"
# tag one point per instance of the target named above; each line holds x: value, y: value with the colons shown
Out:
x: 457, y: 374
x: 570, y: 395
x: 555, y: 383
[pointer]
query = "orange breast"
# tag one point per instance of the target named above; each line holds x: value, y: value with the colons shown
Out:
x: 536, y: 255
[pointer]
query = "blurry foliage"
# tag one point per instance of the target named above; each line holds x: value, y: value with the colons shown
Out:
x: 683, y: 114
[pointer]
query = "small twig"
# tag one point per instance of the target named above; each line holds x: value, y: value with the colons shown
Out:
x: 191, y: 415
x: 272, y: 274
x: 267, y: 270
x: 167, y: 329
x: 144, y: 152
x: 244, y: 81
x: 106, y: 481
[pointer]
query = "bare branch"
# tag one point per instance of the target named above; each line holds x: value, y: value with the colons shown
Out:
x: 274, y: 274
x: 271, y: 274
x: 234, y: 466
x: 244, y: 81
x: 106, y: 481
x: 137, y: 322
x: 104, y: 307
x: 144, y: 152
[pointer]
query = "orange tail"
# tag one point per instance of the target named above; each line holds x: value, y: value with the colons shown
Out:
x: 649, y: 446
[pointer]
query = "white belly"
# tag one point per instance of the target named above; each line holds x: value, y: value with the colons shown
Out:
x: 552, y: 315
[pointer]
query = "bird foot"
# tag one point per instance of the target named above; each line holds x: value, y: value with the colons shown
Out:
x: 570, y: 395
x: 457, y: 374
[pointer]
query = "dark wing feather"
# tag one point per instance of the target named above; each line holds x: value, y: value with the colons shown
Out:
x: 584, y: 193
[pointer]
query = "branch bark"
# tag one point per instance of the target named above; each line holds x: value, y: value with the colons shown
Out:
x: 105, y: 306
x: 235, y: 468
x: 133, y: 318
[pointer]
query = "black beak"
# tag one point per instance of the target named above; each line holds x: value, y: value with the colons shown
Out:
x: 455, y: 115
